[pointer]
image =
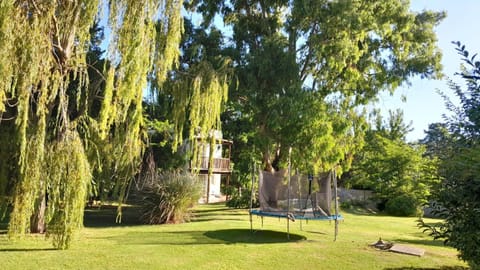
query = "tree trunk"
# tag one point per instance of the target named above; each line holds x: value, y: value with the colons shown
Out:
x: 267, y: 164
x: 37, y: 220
x: 272, y: 165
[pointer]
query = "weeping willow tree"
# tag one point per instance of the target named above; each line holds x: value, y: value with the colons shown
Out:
x: 206, y: 90
x: 200, y: 83
x: 44, y: 95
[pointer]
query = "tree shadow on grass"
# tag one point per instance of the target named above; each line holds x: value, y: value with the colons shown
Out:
x: 219, y: 212
x: 439, y: 268
x: 425, y: 242
x: 256, y: 237
x: 212, y: 210
x: 105, y: 216
x: 228, y: 236
x: 163, y: 238
x: 361, y: 211
x: 315, y: 232
x: 206, y: 219
x: 26, y: 249
x: 4, y: 225
x: 224, y: 213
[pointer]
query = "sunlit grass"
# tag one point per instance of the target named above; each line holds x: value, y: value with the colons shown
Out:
x: 220, y: 238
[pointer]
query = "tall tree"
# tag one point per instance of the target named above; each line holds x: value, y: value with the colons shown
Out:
x: 394, y: 128
x: 43, y: 50
x: 438, y: 141
x: 318, y: 60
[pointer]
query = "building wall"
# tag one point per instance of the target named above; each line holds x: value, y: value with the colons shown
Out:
x: 215, y: 179
x: 215, y: 194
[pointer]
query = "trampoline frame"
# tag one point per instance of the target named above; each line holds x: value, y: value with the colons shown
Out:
x: 283, y: 214
x: 292, y: 216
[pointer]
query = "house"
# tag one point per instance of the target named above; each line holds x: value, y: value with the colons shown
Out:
x: 213, y: 172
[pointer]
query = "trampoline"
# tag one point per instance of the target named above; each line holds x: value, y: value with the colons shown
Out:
x: 296, y: 197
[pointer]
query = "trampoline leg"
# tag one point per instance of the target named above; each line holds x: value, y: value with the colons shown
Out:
x: 336, y: 229
x: 262, y: 222
x: 251, y: 197
x: 251, y: 223
x: 288, y: 229
x: 301, y: 228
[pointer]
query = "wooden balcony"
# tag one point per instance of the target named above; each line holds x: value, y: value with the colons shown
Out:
x: 219, y: 166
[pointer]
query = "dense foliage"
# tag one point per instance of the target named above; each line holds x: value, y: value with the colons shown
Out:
x: 193, y: 96
x: 456, y: 143
x: 404, y: 205
x: 69, y: 138
x: 397, y: 171
x: 303, y: 68
x: 242, y: 198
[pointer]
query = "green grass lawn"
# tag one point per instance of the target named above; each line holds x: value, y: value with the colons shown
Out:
x: 220, y: 238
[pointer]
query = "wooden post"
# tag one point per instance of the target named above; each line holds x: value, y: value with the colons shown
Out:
x: 227, y: 185
x: 251, y: 196
x: 229, y: 155
x: 209, y: 174
x: 334, y: 175
x: 288, y: 191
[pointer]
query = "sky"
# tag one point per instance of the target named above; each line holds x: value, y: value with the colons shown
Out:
x: 423, y: 104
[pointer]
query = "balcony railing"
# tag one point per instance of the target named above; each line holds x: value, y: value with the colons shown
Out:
x: 219, y: 165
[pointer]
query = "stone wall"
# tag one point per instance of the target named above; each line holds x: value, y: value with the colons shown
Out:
x: 349, y: 195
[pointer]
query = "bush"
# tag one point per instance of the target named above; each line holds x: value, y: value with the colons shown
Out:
x: 351, y: 204
x: 404, y: 205
x: 457, y: 198
x: 168, y: 198
x: 241, y: 200
x: 456, y: 201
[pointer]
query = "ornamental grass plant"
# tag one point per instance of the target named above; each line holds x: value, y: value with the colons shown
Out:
x: 168, y: 197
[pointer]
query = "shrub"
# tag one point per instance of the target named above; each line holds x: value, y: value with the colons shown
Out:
x: 241, y: 200
x: 346, y: 205
x: 351, y: 204
x: 458, y: 148
x: 404, y: 205
x: 168, y: 197
x: 456, y: 201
